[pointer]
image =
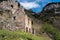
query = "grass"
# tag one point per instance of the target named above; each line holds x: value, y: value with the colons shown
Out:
x: 19, y: 35
x: 49, y: 28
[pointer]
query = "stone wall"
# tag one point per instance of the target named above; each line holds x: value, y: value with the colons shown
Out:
x: 19, y: 20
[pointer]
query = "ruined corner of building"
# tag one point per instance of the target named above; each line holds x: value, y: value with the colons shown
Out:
x: 13, y: 17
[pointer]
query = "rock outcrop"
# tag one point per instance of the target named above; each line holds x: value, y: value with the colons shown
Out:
x: 51, y: 12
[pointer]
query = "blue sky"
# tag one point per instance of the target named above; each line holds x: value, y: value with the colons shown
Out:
x: 35, y: 5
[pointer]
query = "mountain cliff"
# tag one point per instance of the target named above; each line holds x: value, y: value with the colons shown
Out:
x: 51, y: 14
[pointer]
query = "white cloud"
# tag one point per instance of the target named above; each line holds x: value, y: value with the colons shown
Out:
x: 29, y: 5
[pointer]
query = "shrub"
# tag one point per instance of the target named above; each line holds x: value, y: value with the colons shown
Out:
x: 49, y: 28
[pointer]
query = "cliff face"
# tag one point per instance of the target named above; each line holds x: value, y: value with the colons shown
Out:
x: 51, y: 13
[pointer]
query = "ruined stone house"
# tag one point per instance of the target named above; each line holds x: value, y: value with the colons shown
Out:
x: 14, y: 17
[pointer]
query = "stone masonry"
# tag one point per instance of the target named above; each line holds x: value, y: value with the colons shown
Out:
x: 13, y: 17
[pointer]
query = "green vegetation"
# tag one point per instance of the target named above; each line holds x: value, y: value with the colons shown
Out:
x: 49, y: 17
x: 19, y: 35
x: 49, y: 28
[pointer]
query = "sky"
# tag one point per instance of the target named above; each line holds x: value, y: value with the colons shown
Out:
x: 35, y: 5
